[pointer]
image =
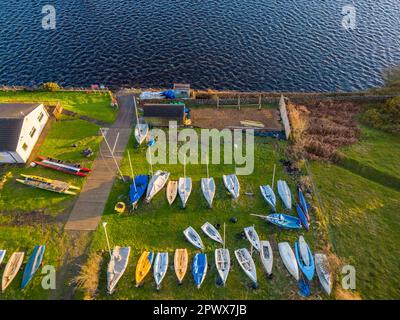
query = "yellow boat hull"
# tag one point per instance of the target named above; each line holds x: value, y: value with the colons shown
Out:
x: 143, y: 266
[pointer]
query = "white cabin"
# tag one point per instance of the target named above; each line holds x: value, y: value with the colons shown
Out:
x: 20, y: 128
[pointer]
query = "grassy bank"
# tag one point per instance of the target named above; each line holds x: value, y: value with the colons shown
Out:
x: 95, y: 105
x: 159, y: 227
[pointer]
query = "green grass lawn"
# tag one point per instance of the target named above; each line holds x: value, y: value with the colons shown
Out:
x: 377, y: 149
x: 159, y: 227
x: 94, y: 105
x: 364, y: 228
x: 29, y: 217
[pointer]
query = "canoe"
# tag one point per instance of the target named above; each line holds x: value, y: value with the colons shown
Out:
x: 252, y: 236
x: 181, y: 260
x: 304, y: 258
x: 199, y: 268
x: 211, y: 232
x: 48, y: 184
x: 160, y: 267
x: 302, y: 217
x: 143, y: 266
x: 157, y: 182
x: 138, y: 188
x: 208, y: 188
x: 284, y: 193
x: 11, y: 269
x: 223, y: 263
x: 62, y: 166
x: 281, y: 220
x: 323, y: 272
x: 289, y: 259
x: 34, y: 262
x: 304, y: 205
x: 2, y: 255
x: 231, y: 183
x: 266, y: 255
x: 141, y: 132
x: 193, y: 237
x: 117, y: 266
x: 184, y: 189
x: 269, y: 196
x: 172, y: 191
x: 246, y: 262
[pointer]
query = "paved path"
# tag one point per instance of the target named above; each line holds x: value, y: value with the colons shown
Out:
x: 87, y: 211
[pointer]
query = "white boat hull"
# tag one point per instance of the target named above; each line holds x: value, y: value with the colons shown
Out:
x: 266, y: 255
x: 184, y: 190
x: 223, y: 263
x: 231, y: 183
x: 157, y: 182
x: 289, y: 259
x: 247, y: 263
x: 208, y: 188
x: 117, y: 266
x: 160, y: 267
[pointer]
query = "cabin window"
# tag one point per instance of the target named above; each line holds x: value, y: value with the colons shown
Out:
x: 41, y: 115
x: 32, y: 133
x: 25, y: 146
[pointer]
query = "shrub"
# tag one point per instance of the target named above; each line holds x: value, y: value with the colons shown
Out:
x: 386, y: 117
x: 392, y: 77
x: 51, y: 86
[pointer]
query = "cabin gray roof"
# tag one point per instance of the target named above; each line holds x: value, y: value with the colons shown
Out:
x: 164, y: 110
x: 11, y: 121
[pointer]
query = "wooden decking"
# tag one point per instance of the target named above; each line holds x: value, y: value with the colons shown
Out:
x: 87, y: 211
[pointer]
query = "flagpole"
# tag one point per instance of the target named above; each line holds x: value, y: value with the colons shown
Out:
x: 108, y: 242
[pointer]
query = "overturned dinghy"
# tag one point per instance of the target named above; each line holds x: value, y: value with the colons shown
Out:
x: 181, y: 260
x: 289, y: 259
x: 157, y: 182
x: 252, y: 236
x: 160, y: 267
x: 285, y: 194
x: 269, y: 196
x: 172, y: 191
x: 199, y: 268
x: 117, y: 266
x: 212, y: 232
x: 184, y: 190
x: 193, y: 237
x: 223, y: 263
x: 231, y: 183
x: 208, y: 188
x: 246, y: 262
x: 266, y: 256
x: 304, y: 258
x: 323, y: 272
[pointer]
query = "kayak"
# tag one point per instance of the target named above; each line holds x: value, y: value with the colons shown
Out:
x: 34, y: 262
x: 138, y: 188
x: 281, y: 220
x: 143, y: 266
x: 62, y: 166
x: 199, y: 268
x: 302, y: 217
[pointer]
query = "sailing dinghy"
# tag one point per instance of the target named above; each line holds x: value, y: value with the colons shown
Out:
x: 2, y: 255
x: 184, y: 186
x: 212, y: 232
x: 223, y: 263
x: 181, y: 260
x: 266, y: 256
x: 34, y: 262
x: 304, y: 258
x: 157, y: 182
x: 252, y: 236
x: 160, y: 267
x: 246, y: 262
x: 193, y: 237
x: 323, y: 272
x: 143, y: 267
x: 141, y: 129
x: 117, y: 266
x: 138, y: 188
x: 231, y: 183
x: 208, y: 188
x: 269, y: 196
x: 281, y: 220
x: 284, y: 193
x: 199, y: 268
x: 12, y: 267
x: 289, y: 259
x: 304, y: 205
x: 172, y: 191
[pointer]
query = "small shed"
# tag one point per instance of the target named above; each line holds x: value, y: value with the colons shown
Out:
x: 159, y: 115
x: 20, y: 128
x: 182, y: 90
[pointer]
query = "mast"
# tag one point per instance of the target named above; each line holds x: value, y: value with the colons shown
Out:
x: 133, y: 176
x: 273, y: 177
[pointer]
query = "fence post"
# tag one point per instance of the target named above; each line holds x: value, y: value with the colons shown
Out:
x: 259, y: 102
x: 239, y: 102
x: 217, y: 101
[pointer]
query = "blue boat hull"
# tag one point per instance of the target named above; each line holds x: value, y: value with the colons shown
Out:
x: 302, y: 217
x: 199, y: 268
x: 308, y: 271
x: 33, y: 265
x: 284, y: 221
x: 304, y: 205
x: 141, y: 182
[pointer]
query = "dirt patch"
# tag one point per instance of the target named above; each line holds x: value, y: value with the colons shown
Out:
x: 33, y: 218
x: 323, y: 127
x: 225, y: 118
